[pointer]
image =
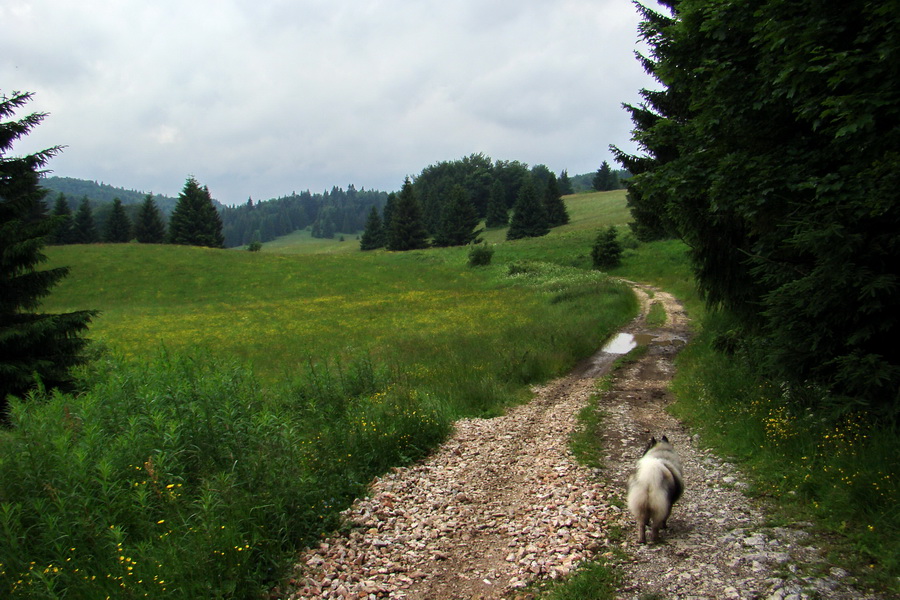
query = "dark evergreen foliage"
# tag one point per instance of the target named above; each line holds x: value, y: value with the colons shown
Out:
x: 102, y: 194
x: 557, y: 214
x: 388, y: 213
x: 497, y: 210
x: 605, y: 179
x: 195, y: 221
x: 606, y: 253
x: 326, y: 214
x: 565, y: 184
x: 118, y: 226
x: 373, y: 235
x: 84, y: 231
x: 62, y: 214
x: 32, y: 345
x: 529, y: 217
x: 459, y: 220
x: 149, y: 227
x: 773, y: 152
x: 407, y: 230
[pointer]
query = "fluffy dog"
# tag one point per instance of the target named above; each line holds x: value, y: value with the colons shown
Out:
x: 654, y: 486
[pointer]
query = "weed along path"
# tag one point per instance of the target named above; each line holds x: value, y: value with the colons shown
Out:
x: 503, y: 504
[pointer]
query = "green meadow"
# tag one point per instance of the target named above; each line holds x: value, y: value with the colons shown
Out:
x: 237, y: 401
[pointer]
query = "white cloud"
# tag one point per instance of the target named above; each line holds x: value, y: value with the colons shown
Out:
x: 265, y: 97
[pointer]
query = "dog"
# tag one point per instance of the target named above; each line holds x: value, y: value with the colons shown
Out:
x: 654, y: 487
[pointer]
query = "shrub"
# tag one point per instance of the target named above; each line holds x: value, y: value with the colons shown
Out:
x: 480, y: 254
x: 607, y: 250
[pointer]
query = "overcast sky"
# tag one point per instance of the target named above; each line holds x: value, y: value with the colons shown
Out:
x: 264, y: 97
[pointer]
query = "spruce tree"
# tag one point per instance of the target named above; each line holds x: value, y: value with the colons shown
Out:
x: 458, y: 220
x: 553, y: 202
x: 388, y: 213
x: 32, y: 345
x: 497, y: 213
x: 373, y: 235
x: 62, y: 214
x: 149, y: 227
x: 565, y: 184
x: 118, y: 227
x: 606, y: 252
x: 195, y: 220
x: 605, y: 179
x: 84, y: 231
x: 407, y: 231
x: 529, y: 217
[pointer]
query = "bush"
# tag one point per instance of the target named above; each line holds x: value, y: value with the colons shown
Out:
x: 255, y: 246
x: 480, y: 254
x: 607, y: 250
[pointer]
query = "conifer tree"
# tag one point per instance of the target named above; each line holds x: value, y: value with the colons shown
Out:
x: 388, y: 213
x: 62, y: 214
x: 553, y: 202
x: 605, y: 179
x: 118, y: 227
x: 149, y: 227
x: 373, y: 235
x: 84, y: 231
x: 31, y: 344
x: 529, y: 217
x: 407, y: 231
x: 497, y: 213
x: 565, y: 184
x: 195, y: 220
x: 606, y: 252
x: 458, y: 220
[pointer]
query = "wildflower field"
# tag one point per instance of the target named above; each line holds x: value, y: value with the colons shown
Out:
x: 238, y: 401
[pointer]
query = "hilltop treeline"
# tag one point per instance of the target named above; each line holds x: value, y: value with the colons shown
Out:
x: 326, y: 214
x: 101, y: 194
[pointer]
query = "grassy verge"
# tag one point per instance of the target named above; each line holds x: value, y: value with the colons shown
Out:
x: 839, y: 471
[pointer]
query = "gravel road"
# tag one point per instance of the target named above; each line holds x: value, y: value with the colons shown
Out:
x: 502, y: 503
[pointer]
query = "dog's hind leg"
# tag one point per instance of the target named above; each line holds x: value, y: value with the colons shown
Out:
x: 642, y: 522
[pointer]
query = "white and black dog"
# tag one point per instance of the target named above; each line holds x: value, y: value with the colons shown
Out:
x: 654, y: 486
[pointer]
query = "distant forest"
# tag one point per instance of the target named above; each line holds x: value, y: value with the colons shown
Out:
x: 327, y: 214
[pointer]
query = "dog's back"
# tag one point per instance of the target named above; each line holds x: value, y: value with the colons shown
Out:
x: 654, y: 486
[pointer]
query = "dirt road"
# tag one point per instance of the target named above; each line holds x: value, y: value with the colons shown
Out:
x: 503, y: 503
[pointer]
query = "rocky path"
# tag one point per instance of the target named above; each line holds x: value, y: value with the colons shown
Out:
x: 502, y: 503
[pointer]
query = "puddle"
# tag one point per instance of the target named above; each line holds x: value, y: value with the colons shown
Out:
x: 623, y: 343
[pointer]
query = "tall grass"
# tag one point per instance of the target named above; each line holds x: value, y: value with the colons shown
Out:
x: 188, y: 475
x: 838, y: 470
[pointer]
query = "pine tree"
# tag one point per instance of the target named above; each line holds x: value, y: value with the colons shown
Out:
x: 118, y: 227
x: 497, y: 213
x: 149, y: 227
x: 458, y: 220
x: 606, y: 252
x: 195, y: 220
x: 83, y: 229
x: 62, y: 214
x: 388, y: 213
x: 529, y: 217
x: 565, y: 184
x: 407, y: 231
x: 31, y: 344
x: 373, y: 235
x: 553, y: 203
x: 605, y: 179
